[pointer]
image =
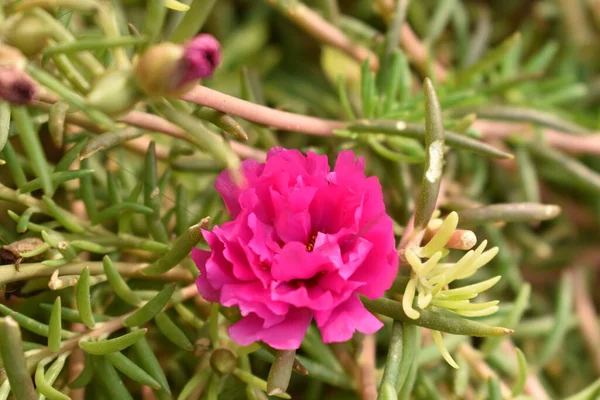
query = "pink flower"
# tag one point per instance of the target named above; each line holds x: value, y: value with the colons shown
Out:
x: 304, y: 243
x: 201, y: 56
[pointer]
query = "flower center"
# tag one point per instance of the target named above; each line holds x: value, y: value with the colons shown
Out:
x: 307, y: 283
x: 311, y: 243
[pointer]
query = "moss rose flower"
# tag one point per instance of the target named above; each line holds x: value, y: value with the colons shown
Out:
x: 304, y: 243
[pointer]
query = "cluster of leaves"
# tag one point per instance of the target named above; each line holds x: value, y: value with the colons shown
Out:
x: 99, y: 213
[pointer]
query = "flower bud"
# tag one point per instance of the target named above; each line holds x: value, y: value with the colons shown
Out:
x: 27, y: 33
x: 169, y: 69
x: 157, y: 71
x: 16, y: 86
x: 201, y: 57
x: 223, y: 361
x: 114, y: 93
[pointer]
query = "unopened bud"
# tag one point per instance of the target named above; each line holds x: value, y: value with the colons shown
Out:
x: 157, y: 71
x: 223, y: 361
x: 170, y: 69
x: 27, y: 33
x: 114, y: 93
x: 460, y: 239
x: 202, y: 56
x: 16, y: 86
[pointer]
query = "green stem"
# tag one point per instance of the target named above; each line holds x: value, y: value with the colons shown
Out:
x: 8, y: 273
x: 94, y: 44
x: 394, y: 357
x: 193, y: 20
x: 13, y: 356
x: 445, y: 322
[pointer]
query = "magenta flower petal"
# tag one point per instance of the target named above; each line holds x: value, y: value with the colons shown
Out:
x: 247, y: 330
x: 347, y: 318
x: 291, y: 216
x: 303, y: 243
x: 315, y: 297
x: 294, y: 262
x: 200, y: 257
x: 284, y: 336
x: 250, y: 297
x: 229, y: 192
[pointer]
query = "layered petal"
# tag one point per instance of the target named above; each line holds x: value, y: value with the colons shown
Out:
x: 295, y: 262
x: 347, y: 318
x: 200, y: 257
x: 286, y: 335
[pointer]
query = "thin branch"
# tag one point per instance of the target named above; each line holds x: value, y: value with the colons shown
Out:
x: 367, y: 384
x: 586, y: 313
x: 75, y: 365
x: 419, y: 54
x: 576, y: 144
x: 155, y: 123
x: 8, y: 273
x: 106, y: 328
x: 594, y: 6
x: 261, y: 114
x: 533, y: 386
x: 323, y: 31
x: 480, y: 367
x: 416, y: 50
x: 577, y: 25
x: 147, y: 121
x: 491, y: 130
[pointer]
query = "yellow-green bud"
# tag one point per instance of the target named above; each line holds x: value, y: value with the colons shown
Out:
x: 170, y: 69
x: 223, y: 361
x: 114, y: 93
x: 27, y: 33
x: 158, y: 71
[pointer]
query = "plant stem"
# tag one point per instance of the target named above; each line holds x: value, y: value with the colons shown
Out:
x: 415, y: 49
x: 132, y: 270
x: 105, y: 328
x: 583, y: 144
x: 193, y: 20
x: 481, y: 368
x: 394, y: 356
x: 366, y: 369
x: 322, y: 30
x: 151, y: 122
x: 586, y: 313
x: 261, y: 114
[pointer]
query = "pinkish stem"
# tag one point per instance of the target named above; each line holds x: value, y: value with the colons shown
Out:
x: 155, y: 123
x: 586, y: 313
x: 323, y: 31
x: 584, y: 144
x: 261, y: 114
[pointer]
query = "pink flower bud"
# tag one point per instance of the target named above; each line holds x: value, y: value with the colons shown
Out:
x: 201, y: 57
x: 16, y: 86
x: 169, y: 69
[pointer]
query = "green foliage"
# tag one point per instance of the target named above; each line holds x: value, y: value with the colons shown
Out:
x: 104, y: 192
